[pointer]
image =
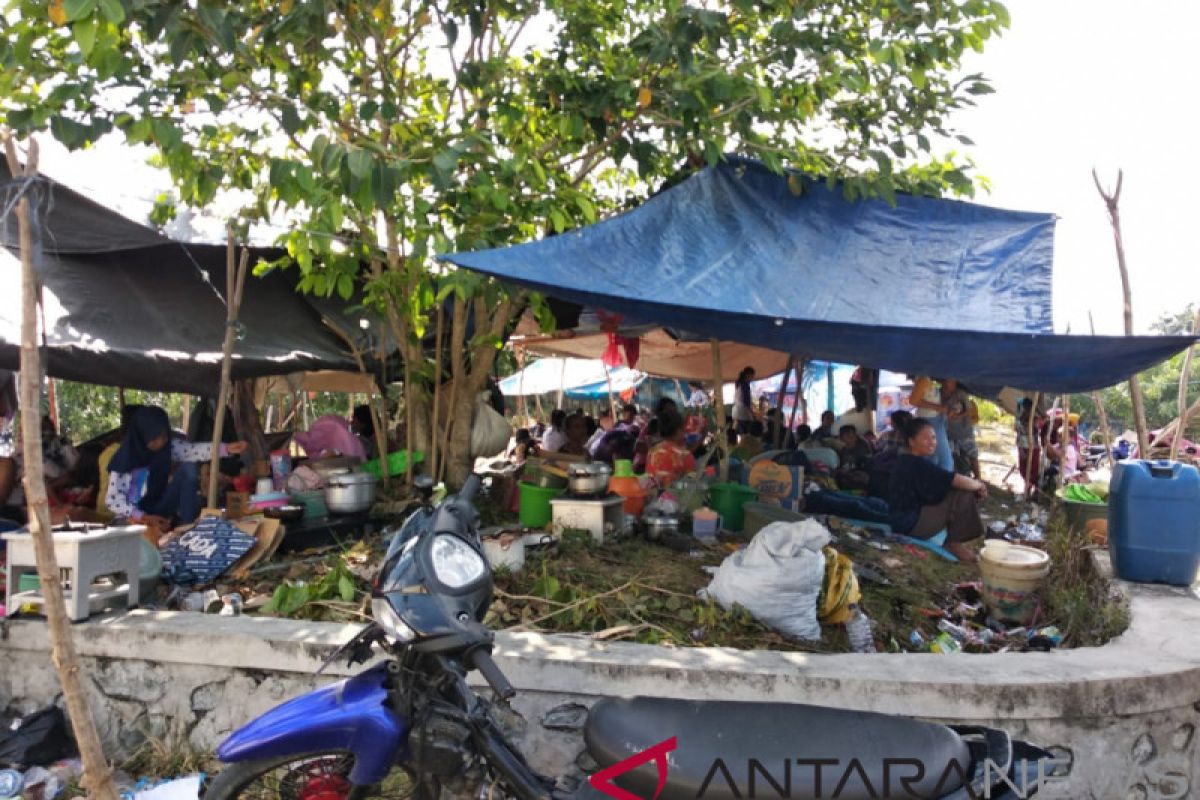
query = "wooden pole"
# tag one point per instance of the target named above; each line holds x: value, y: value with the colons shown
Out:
x: 1031, y: 480
x: 1112, y: 202
x: 1185, y: 375
x: 796, y: 397
x: 777, y: 440
x: 562, y: 381
x: 235, y: 282
x: 522, y: 406
x: 97, y: 772
x: 1063, y: 436
x: 1099, y: 404
x: 377, y: 424
x: 612, y: 401
x: 719, y: 404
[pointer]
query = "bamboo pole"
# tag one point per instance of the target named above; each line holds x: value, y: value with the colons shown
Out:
x: 97, y: 772
x: 1063, y: 435
x: 1031, y: 480
x: 1099, y: 404
x: 777, y: 440
x: 719, y: 404
x: 522, y: 406
x: 797, y: 395
x: 1112, y: 202
x: 235, y: 282
x: 377, y: 424
x: 562, y: 381
x: 1184, y: 377
x: 612, y: 401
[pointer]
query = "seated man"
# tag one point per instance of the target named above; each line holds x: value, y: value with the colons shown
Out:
x: 854, y: 460
x: 891, y: 445
x: 825, y: 431
x: 749, y: 444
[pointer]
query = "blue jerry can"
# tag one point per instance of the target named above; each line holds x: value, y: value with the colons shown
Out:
x: 1154, y: 522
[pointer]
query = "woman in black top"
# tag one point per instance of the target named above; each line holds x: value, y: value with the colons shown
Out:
x: 924, y: 498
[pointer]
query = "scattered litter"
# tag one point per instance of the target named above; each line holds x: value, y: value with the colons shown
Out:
x: 567, y: 717
x: 186, y: 788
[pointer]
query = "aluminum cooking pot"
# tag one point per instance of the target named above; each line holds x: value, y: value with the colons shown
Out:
x: 351, y: 492
x: 588, y: 478
x: 659, y: 524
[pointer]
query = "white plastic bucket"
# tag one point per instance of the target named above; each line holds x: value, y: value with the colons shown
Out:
x: 505, y: 551
x: 1012, y: 574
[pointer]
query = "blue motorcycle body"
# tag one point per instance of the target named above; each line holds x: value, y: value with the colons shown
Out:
x: 350, y: 715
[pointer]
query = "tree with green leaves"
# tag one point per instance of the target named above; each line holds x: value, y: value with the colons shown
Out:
x: 384, y: 132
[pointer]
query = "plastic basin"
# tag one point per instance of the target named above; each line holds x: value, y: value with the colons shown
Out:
x: 397, y: 463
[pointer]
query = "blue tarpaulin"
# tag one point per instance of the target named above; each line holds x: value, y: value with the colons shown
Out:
x: 929, y: 286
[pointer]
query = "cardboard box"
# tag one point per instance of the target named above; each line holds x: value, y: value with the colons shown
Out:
x: 237, y: 505
x: 776, y: 483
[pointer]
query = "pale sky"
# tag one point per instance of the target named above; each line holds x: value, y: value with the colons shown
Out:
x: 1079, y: 83
x: 1107, y: 84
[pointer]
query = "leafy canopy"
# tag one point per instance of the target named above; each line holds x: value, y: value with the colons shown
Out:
x: 411, y: 126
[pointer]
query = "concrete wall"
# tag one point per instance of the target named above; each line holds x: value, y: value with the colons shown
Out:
x: 1125, y: 714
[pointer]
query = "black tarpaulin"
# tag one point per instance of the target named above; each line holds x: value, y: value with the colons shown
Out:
x: 125, y: 306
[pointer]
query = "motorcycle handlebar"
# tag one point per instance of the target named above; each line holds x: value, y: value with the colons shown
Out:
x: 481, y: 660
x: 470, y: 488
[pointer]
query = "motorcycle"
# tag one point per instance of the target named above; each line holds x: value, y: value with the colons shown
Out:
x: 411, y: 726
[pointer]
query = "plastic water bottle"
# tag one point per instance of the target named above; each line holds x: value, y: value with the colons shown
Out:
x: 858, y: 628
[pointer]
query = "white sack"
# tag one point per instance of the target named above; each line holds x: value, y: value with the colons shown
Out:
x: 777, y: 577
x: 490, y: 431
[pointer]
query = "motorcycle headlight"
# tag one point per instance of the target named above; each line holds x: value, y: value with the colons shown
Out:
x: 455, y: 563
x: 390, y: 621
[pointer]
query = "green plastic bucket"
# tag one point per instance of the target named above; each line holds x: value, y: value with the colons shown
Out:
x: 535, y: 504
x: 397, y: 464
x: 728, y: 499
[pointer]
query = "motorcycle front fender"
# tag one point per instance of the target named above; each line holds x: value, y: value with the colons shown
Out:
x: 351, y: 716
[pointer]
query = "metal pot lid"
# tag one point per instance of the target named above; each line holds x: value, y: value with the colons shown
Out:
x: 589, y: 470
x: 352, y: 478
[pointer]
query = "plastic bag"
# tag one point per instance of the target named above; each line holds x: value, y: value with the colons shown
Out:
x: 490, y: 431
x: 778, y: 577
x: 41, y: 738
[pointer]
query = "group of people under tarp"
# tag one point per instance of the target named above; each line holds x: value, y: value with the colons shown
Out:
x: 1049, y: 443
x: 661, y: 443
x: 905, y: 478
x: 920, y: 476
x: 148, y: 474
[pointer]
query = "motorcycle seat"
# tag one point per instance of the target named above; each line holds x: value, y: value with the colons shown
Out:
x: 734, y: 750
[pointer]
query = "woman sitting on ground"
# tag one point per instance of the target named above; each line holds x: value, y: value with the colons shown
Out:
x: 141, y: 486
x: 924, y: 498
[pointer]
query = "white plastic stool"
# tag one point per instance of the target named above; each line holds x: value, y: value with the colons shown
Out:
x: 82, y: 557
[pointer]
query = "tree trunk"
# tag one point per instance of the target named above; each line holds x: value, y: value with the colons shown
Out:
x: 97, y: 772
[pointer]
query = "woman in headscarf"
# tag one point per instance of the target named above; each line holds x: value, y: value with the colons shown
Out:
x: 141, y: 486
